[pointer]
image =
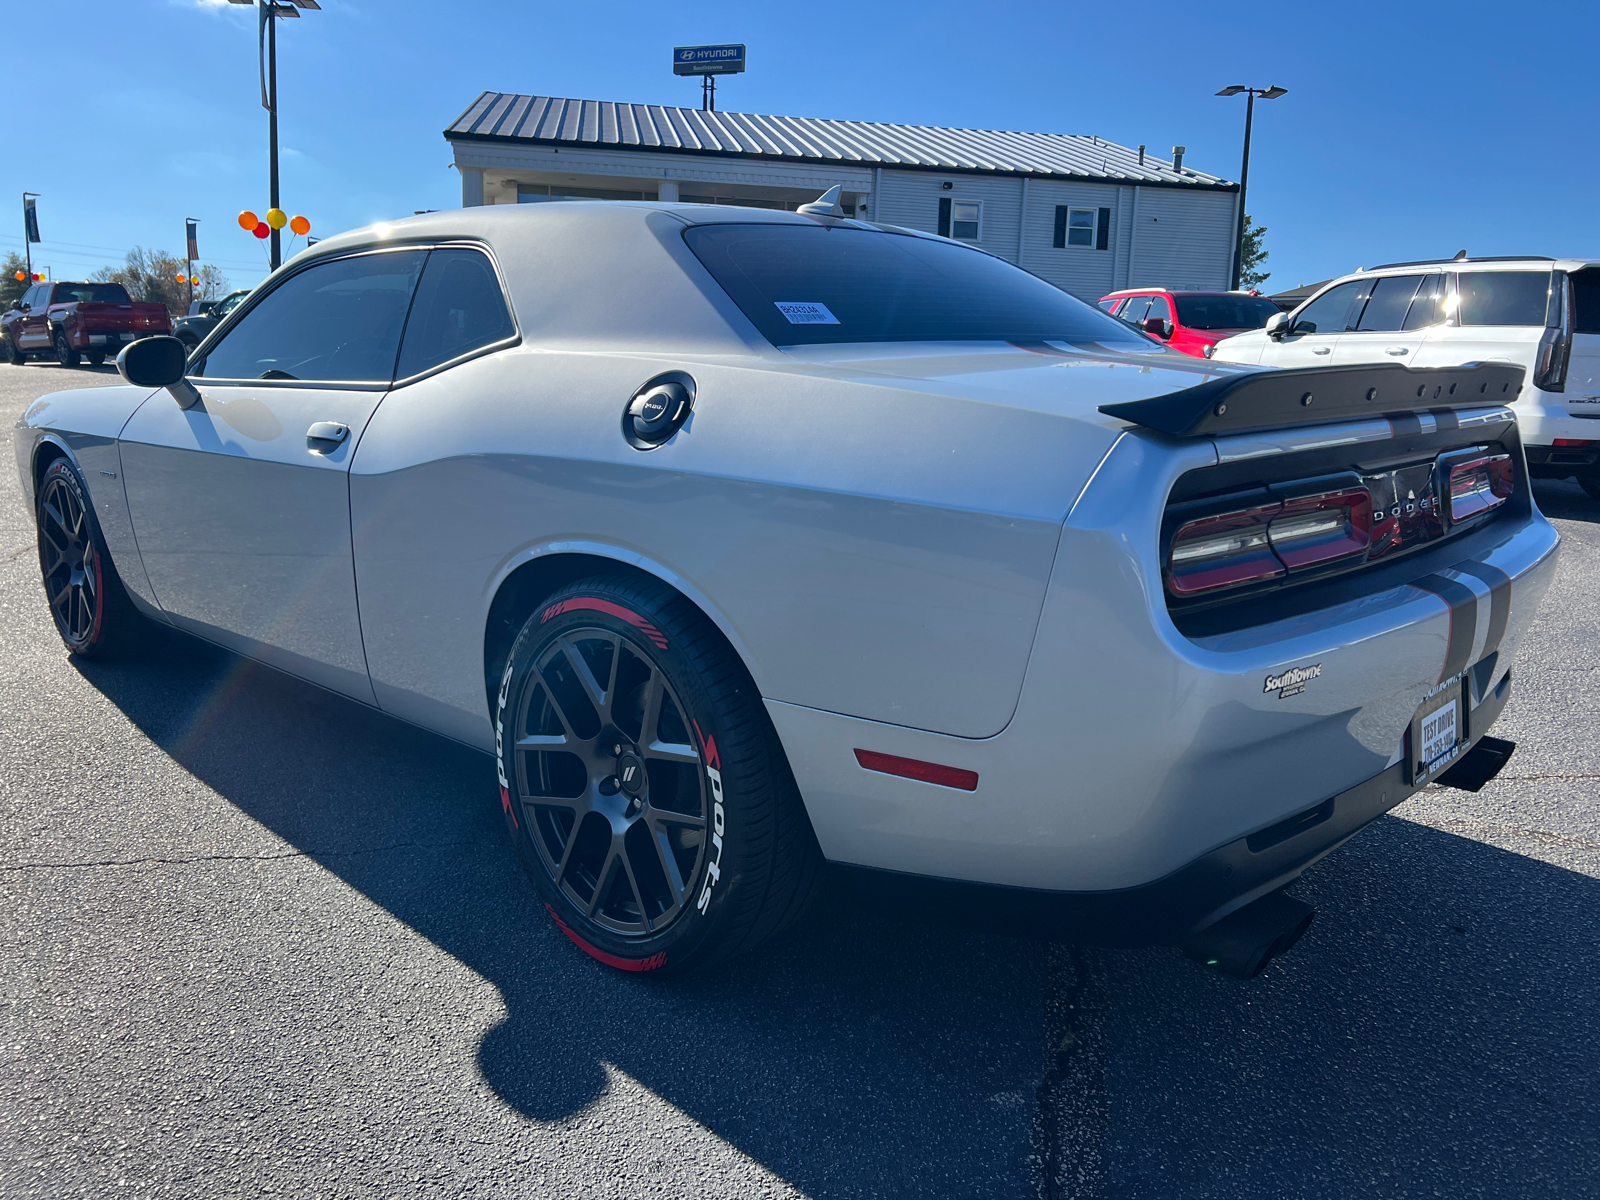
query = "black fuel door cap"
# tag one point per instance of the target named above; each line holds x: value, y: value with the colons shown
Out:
x: 658, y: 410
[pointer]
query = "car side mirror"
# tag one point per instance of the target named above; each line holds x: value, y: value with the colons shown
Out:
x: 1277, y: 325
x: 159, y: 362
x: 1157, y: 327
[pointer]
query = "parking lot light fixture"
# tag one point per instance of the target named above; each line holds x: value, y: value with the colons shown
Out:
x: 1270, y: 92
x: 267, y: 39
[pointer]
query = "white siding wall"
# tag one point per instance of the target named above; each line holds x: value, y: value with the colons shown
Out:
x: 1082, y: 270
x: 1182, y: 239
x: 911, y: 198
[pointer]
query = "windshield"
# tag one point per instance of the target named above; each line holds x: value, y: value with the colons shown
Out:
x: 1224, y: 312
x: 95, y: 293
x: 805, y: 285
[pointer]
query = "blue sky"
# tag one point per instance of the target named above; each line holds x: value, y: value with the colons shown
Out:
x: 1411, y: 130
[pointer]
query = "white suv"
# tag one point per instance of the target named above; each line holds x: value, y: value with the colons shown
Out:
x: 1541, y: 313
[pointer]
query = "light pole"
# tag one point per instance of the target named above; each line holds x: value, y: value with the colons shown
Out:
x: 1271, y: 92
x: 267, y: 52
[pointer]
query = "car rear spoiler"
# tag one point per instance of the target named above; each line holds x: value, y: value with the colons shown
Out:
x: 1261, y: 400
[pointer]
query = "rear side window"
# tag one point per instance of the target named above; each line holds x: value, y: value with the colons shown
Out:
x: 337, y: 321
x: 1428, y: 306
x: 818, y: 284
x: 1389, y: 302
x: 459, y: 307
x: 1504, y: 297
x: 1106, y: 305
x: 1329, y: 312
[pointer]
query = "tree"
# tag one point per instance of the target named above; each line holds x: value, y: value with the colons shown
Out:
x: 1250, y: 276
x: 153, y: 275
x: 11, y: 288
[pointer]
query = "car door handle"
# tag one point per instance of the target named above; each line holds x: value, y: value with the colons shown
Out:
x: 1397, y: 350
x: 1322, y: 350
x: 326, y: 436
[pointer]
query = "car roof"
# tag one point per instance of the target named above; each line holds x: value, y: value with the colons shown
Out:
x: 1496, y: 263
x: 1151, y: 291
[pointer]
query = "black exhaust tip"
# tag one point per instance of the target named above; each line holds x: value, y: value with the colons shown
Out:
x: 1478, y: 765
x: 1244, y: 942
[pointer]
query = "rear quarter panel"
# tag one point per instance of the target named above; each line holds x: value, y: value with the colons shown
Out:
x: 867, y: 547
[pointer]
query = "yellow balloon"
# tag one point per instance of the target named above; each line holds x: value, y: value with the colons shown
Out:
x: 277, y: 218
x: 300, y: 225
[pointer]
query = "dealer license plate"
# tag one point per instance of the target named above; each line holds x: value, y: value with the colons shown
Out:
x: 126, y: 336
x: 1438, y: 732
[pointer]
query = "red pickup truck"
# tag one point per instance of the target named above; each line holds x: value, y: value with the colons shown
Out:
x: 74, y: 321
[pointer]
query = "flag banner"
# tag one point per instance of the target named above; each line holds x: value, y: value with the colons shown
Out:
x: 30, y: 219
x: 194, y: 244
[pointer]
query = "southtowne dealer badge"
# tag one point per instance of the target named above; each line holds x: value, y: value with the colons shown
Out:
x: 1292, y: 682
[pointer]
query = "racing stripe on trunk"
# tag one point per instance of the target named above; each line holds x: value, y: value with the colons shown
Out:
x: 1463, y: 602
x: 1499, y: 584
x: 1446, y: 419
x: 1485, y: 599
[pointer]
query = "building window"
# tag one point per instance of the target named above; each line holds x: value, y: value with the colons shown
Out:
x: 961, y: 219
x: 1085, y: 228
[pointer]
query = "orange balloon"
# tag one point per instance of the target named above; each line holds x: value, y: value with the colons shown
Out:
x: 182, y: 279
x: 22, y: 275
x: 248, y: 220
x: 300, y: 225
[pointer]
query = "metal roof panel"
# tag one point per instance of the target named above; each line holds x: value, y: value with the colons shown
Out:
x: 813, y: 139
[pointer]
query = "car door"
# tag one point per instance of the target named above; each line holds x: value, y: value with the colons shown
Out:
x: 1377, y: 332
x: 241, y: 504
x: 34, y: 327
x: 1314, y: 332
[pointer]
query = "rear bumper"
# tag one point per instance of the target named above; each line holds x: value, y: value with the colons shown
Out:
x: 1166, y: 910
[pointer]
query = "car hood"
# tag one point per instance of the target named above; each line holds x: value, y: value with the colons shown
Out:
x: 1062, y: 378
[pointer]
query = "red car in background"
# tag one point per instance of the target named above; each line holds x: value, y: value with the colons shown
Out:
x: 1193, y: 322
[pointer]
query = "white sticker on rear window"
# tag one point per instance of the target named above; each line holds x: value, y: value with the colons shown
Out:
x: 806, y: 312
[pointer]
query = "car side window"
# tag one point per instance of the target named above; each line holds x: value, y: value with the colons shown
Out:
x: 1107, y: 305
x: 1390, y: 300
x: 337, y: 321
x: 1427, y: 306
x: 1329, y: 312
x: 459, y: 307
x: 1503, y: 297
x: 1134, y: 309
x: 1159, y: 308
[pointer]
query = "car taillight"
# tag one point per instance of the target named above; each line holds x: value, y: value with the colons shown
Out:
x: 1479, y: 484
x: 1272, y: 537
x: 1224, y: 550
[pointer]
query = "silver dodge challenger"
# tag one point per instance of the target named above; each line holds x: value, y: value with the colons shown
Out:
x: 749, y: 542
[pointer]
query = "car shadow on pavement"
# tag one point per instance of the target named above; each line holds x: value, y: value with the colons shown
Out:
x: 1564, y: 499
x: 853, y: 1056
x: 1438, y: 1025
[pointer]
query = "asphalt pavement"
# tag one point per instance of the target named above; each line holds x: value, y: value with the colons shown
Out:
x: 258, y: 940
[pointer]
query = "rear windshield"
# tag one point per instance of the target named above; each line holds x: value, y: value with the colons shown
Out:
x: 87, y: 293
x: 1504, y: 297
x: 806, y: 285
x: 1224, y: 312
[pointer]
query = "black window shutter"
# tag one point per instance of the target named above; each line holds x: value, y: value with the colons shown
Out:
x: 1102, y: 237
x: 1061, y: 227
x: 944, y: 216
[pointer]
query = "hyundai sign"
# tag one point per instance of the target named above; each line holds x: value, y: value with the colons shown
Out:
x: 707, y: 60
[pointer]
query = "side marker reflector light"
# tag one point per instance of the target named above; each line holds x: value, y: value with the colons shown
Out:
x: 915, y: 768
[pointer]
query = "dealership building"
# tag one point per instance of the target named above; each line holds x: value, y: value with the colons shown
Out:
x: 1086, y: 214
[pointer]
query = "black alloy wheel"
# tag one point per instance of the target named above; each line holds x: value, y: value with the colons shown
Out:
x: 65, y: 354
x: 9, y: 351
x: 92, y: 613
x: 642, y: 782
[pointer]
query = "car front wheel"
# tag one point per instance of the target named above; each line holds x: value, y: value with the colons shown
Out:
x: 92, y: 613
x: 642, y: 782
